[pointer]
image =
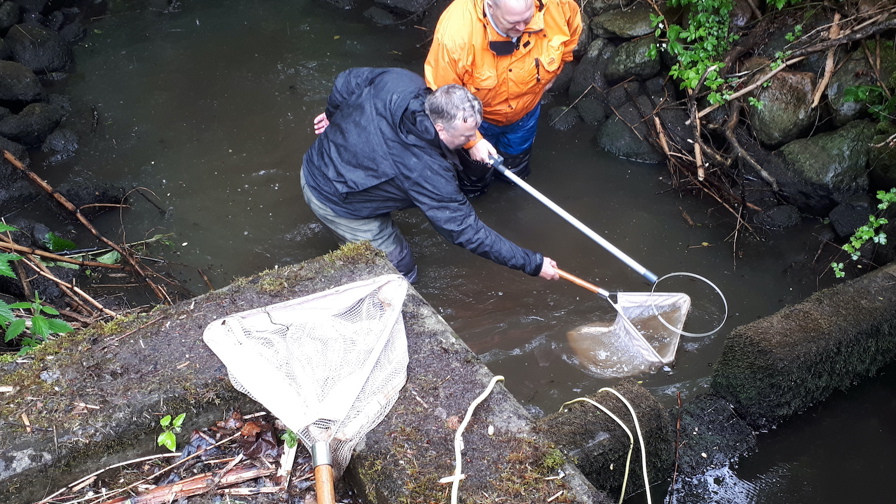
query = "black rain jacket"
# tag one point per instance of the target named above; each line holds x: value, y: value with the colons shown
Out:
x: 381, y: 152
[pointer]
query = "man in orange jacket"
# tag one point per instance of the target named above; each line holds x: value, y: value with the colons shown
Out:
x: 507, y: 53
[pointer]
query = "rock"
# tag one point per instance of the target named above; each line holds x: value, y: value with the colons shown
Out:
x: 561, y: 83
x: 779, y: 217
x: 10, y: 14
x: 628, y: 23
x: 62, y: 142
x: 882, y: 161
x: 632, y: 59
x: 833, y: 163
x: 381, y: 16
x: 18, y: 83
x: 404, y: 7
x: 32, y: 125
x: 588, y: 75
x: 711, y: 437
x: 38, y: 48
x: 855, y: 71
x: 5, y: 52
x: 617, y: 137
x: 592, y: 110
x: 595, y: 7
x: 786, y: 112
x: 36, y: 6
x: 850, y: 215
x: 563, y: 118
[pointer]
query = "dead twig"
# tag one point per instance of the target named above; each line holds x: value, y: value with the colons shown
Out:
x: 70, y: 207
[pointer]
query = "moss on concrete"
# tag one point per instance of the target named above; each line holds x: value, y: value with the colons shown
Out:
x: 778, y: 366
x: 599, y: 446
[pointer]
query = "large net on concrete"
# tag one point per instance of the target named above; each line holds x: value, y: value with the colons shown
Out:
x: 329, y: 365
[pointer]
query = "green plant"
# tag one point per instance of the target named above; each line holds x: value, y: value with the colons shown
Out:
x: 41, y: 326
x: 881, y: 106
x: 870, y: 231
x: 698, y: 47
x: 170, y: 428
x: 290, y: 438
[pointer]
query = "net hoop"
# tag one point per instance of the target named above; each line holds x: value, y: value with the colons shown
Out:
x: 680, y: 331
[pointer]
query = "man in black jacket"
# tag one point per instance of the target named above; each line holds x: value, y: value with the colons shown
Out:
x: 387, y: 143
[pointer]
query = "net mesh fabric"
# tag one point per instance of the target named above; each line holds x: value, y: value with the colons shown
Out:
x: 330, y: 366
x: 636, y: 341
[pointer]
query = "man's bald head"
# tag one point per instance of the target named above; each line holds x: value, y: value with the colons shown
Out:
x: 511, y: 16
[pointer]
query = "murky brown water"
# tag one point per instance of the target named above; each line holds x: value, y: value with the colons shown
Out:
x: 211, y: 109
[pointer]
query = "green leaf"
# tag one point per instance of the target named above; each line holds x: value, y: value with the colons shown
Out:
x: 6, y: 314
x: 59, y: 326
x: 168, y: 440
x: 49, y: 309
x: 5, y: 267
x: 15, y: 328
x: 109, y: 258
x: 40, y: 326
x: 22, y: 305
x: 165, y: 421
x: 57, y: 244
x: 179, y: 420
x: 6, y: 227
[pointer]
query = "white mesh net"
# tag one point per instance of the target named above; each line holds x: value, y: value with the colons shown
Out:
x: 637, y: 341
x: 329, y: 366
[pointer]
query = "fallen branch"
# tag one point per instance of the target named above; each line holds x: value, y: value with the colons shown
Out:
x: 829, y: 62
x: 10, y: 246
x: 194, y: 486
x: 69, y: 206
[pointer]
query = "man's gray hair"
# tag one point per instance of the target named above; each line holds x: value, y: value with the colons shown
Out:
x: 452, y: 104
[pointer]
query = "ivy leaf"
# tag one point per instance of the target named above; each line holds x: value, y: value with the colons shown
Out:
x: 6, y: 227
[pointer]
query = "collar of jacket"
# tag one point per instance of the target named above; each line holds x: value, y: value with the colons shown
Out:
x: 535, y: 25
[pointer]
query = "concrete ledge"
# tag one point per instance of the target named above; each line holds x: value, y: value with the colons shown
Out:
x: 778, y: 366
x: 599, y: 446
x: 133, y: 370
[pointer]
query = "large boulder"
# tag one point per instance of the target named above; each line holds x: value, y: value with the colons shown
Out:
x: 833, y: 164
x: 18, y: 83
x: 625, y: 23
x: 632, y: 59
x: 786, y: 112
x: 38, y: 48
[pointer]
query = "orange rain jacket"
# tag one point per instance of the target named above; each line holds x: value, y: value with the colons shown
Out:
x: 508, y: 86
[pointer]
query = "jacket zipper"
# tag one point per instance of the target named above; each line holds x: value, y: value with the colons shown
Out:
x: 537, y: 70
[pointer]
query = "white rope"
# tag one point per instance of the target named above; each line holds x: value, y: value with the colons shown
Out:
x: 630, y: 438
x: 459, y: 440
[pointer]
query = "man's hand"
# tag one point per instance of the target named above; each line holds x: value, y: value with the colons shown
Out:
x: 320, y: 123
x: 482, y: 151
x: 547, y: 270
